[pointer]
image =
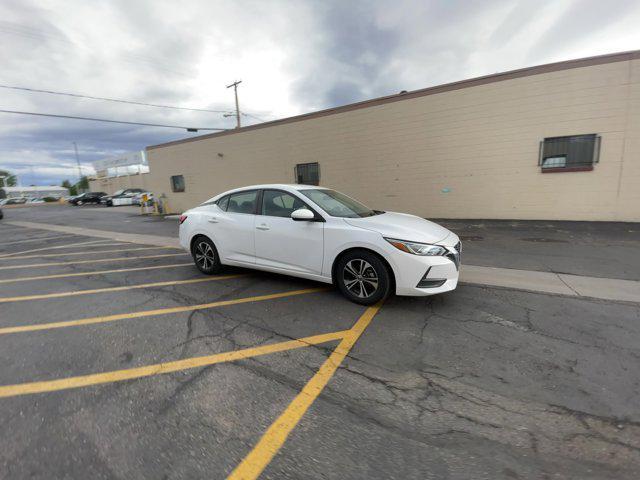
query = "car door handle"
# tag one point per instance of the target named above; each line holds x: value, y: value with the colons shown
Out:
x: 262, y: 227
x: 213, y: 220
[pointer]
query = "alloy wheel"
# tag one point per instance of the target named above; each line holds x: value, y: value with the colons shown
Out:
x: 360, y: 278
x: 205, y: 256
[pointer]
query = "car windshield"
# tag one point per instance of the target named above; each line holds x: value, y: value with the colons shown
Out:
x: 119, y: 192
x: 337, y: 204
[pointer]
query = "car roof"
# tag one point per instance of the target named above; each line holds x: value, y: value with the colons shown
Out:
x: 283, y: 186
x: 277, y: 186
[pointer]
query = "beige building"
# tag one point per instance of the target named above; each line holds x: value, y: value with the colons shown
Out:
x: 558, y: 141
x: 111, y: 185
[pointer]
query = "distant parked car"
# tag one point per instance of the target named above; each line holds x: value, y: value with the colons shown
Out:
x: 121, y: 197
x: 89, y: 197
x: 14, y: 201
x: 35, y: 200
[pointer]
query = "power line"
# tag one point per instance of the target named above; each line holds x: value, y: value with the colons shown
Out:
x: 253, y: 116
x: 189, y: 129
x: 130, y: 102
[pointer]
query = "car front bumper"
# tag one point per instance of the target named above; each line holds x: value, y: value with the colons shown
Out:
x: 421, y: 276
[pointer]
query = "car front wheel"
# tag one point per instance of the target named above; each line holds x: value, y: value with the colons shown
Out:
x: 206, y: 256
x: 363, y: 278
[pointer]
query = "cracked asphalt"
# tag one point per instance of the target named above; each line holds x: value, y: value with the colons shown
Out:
x: 480, y: 383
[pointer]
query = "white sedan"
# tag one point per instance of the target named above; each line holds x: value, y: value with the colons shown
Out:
x: 324, y: 235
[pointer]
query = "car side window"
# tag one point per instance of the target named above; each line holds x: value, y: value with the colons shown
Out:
x: 276, y: 203
x: 242, y: 202
x: 223, y: 202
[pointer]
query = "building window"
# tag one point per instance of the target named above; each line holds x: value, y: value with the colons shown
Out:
x: 177, y: 183
x: 569, y: 154
x: 308, y: 173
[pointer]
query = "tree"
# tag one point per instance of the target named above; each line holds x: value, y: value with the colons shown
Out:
x: 83, y: 184
x: 9, y: 179
x: 72, y: 188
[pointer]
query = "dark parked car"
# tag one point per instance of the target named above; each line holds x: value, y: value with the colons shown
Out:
x: 121, y: 197
x: 89, y: 197
x: 15, y: 201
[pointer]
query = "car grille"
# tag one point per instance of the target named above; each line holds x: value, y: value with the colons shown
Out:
x: 455, y: 257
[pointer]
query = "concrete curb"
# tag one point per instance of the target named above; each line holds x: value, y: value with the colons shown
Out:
x: 554, y: 283
x: 534, y: 281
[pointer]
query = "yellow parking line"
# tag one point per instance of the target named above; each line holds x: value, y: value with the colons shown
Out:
x: 148, y: 313
x: 78, y: 262
x: 96, y: 272
x: 60, y: 247
x: 273, y: 439
x: 117, y: 289
x: 162, y: 368
x: 86, y: 253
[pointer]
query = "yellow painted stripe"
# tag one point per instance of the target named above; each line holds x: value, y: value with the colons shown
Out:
x: 148, y: 313
x: 162, y: 368
x: 117, y: 289
x: 59, y: 247
x: 91, y: 252
x: 78, y: 262
x: 96, y: 272
x: 273, y: 439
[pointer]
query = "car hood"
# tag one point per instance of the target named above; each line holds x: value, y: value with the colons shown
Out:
x: 402, y: 226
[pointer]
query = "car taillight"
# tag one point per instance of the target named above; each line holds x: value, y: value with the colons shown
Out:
x: 182, y: 219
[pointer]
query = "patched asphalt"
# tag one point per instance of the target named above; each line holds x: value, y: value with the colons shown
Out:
x: 477, y: 383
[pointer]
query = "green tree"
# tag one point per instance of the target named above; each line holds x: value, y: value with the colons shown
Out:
x: 72, y: 188
x: 83, y: 184
x: 9, y: 179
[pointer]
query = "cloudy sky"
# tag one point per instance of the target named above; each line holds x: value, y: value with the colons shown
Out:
x: 292, y: 56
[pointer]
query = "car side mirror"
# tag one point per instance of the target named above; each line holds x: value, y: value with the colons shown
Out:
x: 302, y: 215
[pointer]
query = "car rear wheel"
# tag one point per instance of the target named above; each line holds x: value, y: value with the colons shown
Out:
x: 363, y: 278
x: 206, y: 256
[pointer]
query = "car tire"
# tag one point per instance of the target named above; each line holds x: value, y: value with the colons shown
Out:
x: 205, y: 255
x: 79, y: 203
x: 363, y: 277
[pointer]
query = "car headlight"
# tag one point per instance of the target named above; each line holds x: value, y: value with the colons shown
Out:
x: 415, y: 248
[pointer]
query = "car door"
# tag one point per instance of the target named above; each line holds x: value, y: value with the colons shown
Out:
x: 231, y: 223
x: 284, y: 243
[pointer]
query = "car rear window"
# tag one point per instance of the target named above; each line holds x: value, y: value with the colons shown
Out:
x: 242, y: 202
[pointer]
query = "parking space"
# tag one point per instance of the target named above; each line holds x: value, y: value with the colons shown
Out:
x: 121, y: 360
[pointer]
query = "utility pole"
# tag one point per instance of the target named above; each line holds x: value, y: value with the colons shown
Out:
x: 235, y: 89
x: 75, y: 147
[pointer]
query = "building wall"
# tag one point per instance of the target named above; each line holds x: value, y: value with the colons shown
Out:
x: 111, y: 185
x: 466, y: 153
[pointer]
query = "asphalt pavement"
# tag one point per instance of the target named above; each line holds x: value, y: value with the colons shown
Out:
x: 120, y: 360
